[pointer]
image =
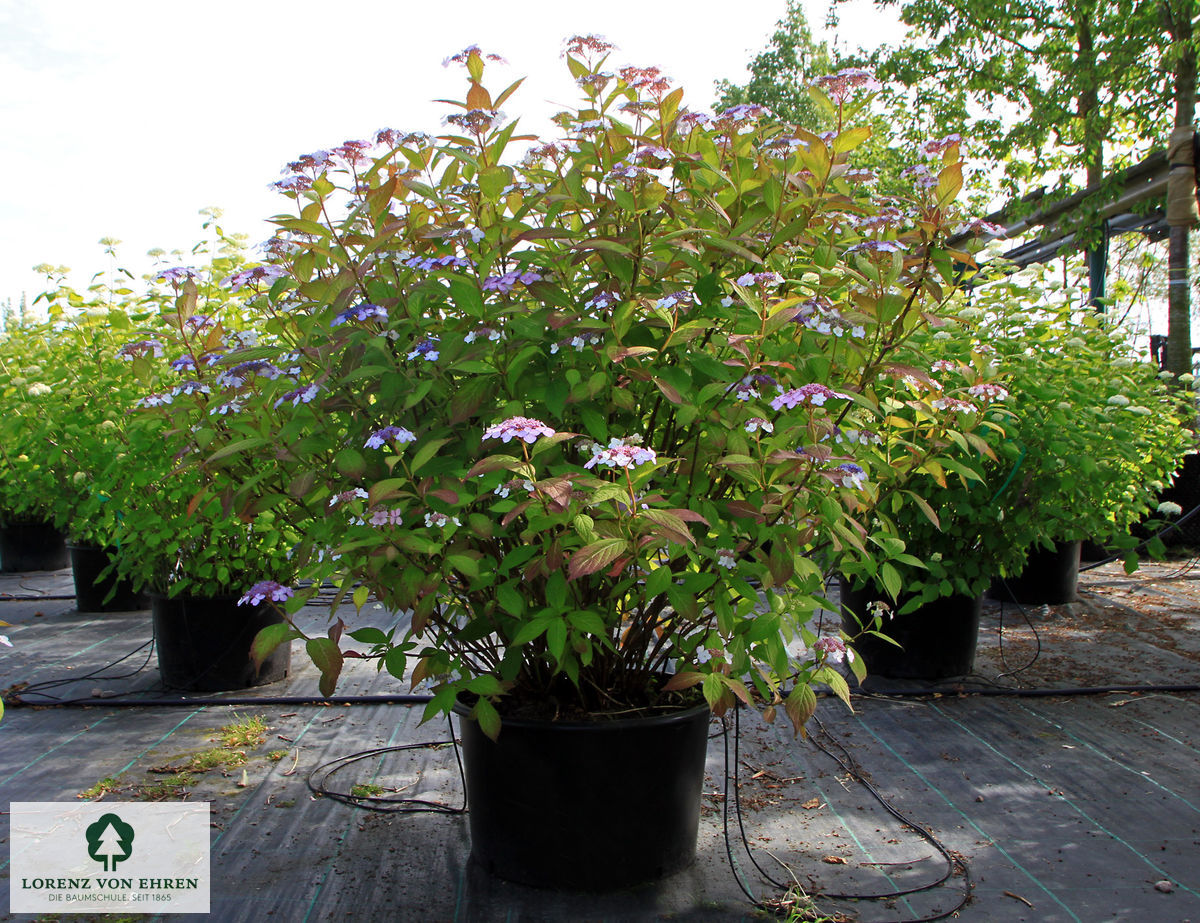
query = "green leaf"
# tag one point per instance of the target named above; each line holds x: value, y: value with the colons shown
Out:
x: 268, y: 639
x: 328, y: 659
x: 492, y: 181
x: 488, y: 718
x: 596, y: 556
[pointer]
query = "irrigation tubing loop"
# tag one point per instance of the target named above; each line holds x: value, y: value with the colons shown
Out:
x: 320, y: 776
x: 954, y: 864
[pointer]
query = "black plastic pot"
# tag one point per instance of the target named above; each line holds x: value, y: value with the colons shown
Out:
x: 26, y: 546
x: 937, y: 641
x: 586, y: 806
x: 204, y: 643
x: 1050, y: 577
x: 87, y: 563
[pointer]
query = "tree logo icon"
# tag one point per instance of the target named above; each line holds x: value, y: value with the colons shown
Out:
x: 110, y: 840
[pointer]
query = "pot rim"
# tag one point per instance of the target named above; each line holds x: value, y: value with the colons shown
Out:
x: 674, y: 715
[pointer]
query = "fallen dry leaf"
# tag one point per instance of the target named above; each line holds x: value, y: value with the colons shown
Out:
x: 834, y: 860
x: 812, y: 804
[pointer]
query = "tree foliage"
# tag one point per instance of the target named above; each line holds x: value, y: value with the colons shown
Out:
x: 1047, y: 89
x: 781, y: 72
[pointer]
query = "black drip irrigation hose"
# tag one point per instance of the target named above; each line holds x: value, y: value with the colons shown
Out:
x: 1018, y: 692
x: 16, y: 700
x: 388, y: 805
x: 789, y: 907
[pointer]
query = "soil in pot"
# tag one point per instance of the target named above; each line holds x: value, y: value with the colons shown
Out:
x: 26, y: 546
x: 586, y: 805
x: 88, y: 562
x: 937, y: 641
x: 204, y: 643
x: 1050, y: 577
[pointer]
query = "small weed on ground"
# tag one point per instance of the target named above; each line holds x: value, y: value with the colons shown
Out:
x: 179, y: 776
x: 366, y: 790
x: 246, y: 732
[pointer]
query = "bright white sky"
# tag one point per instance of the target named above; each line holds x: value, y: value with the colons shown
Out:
x: 125, y: 118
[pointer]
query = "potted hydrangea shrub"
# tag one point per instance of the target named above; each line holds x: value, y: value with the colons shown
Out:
x: 579, y: 412
x: 1099, y: 428
x: 1058, y: 455
x: 31, y: 482
x: 182, y: 542
x: 92, y: 393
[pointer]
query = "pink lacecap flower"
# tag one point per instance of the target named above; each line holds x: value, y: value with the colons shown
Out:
x: 989, y: 391
x: 815, y: 393
x: 954, y: 405
x: 518, y: 428
x: 833, y: 648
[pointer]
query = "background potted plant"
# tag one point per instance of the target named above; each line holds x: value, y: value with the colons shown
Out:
x: 1058, y: 455
x: 92, y: 394
x: 31, y: 481
x: 1100, y: 428
x: 180, y: 539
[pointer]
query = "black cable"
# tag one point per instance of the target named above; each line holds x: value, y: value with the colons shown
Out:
x: 192, y: 701
x: 953, y: 863
x: 1000, y: 635
x: 388, y: 805
x: 1017, y: 692
x: 35, y: 688
x: 10, y: 598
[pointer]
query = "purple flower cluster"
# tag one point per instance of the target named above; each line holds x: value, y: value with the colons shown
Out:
x: 463, y: 56
x: 392, y: 517
x: 877, y: 246
x: 748, y: 388
x: 253, y: 276
x: 587, y: 44
x: 852, y: 475
x: 941, y: 145
x: 426, y: 349
x: 601, y: 300
x: 176, y: 274
x: 508, y: 281
x: 524, y: 428
x: 763, y: 279
x: 267, y: 590
x: 381, y: 437
x: 430, y: 263
x: 141, y: 348
x: 360, y: 312
x: 302, y: 395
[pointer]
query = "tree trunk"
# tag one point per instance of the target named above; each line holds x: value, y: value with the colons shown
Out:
x: 1179, y: 310
x: 1088, y: 110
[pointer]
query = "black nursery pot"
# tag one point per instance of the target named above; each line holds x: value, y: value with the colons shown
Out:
x: 1050, y: 577
x: 26, y: 546
x: 87, y: 563
x: 937, y: 641
x: 586, y: 806
x: 204, y: 643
